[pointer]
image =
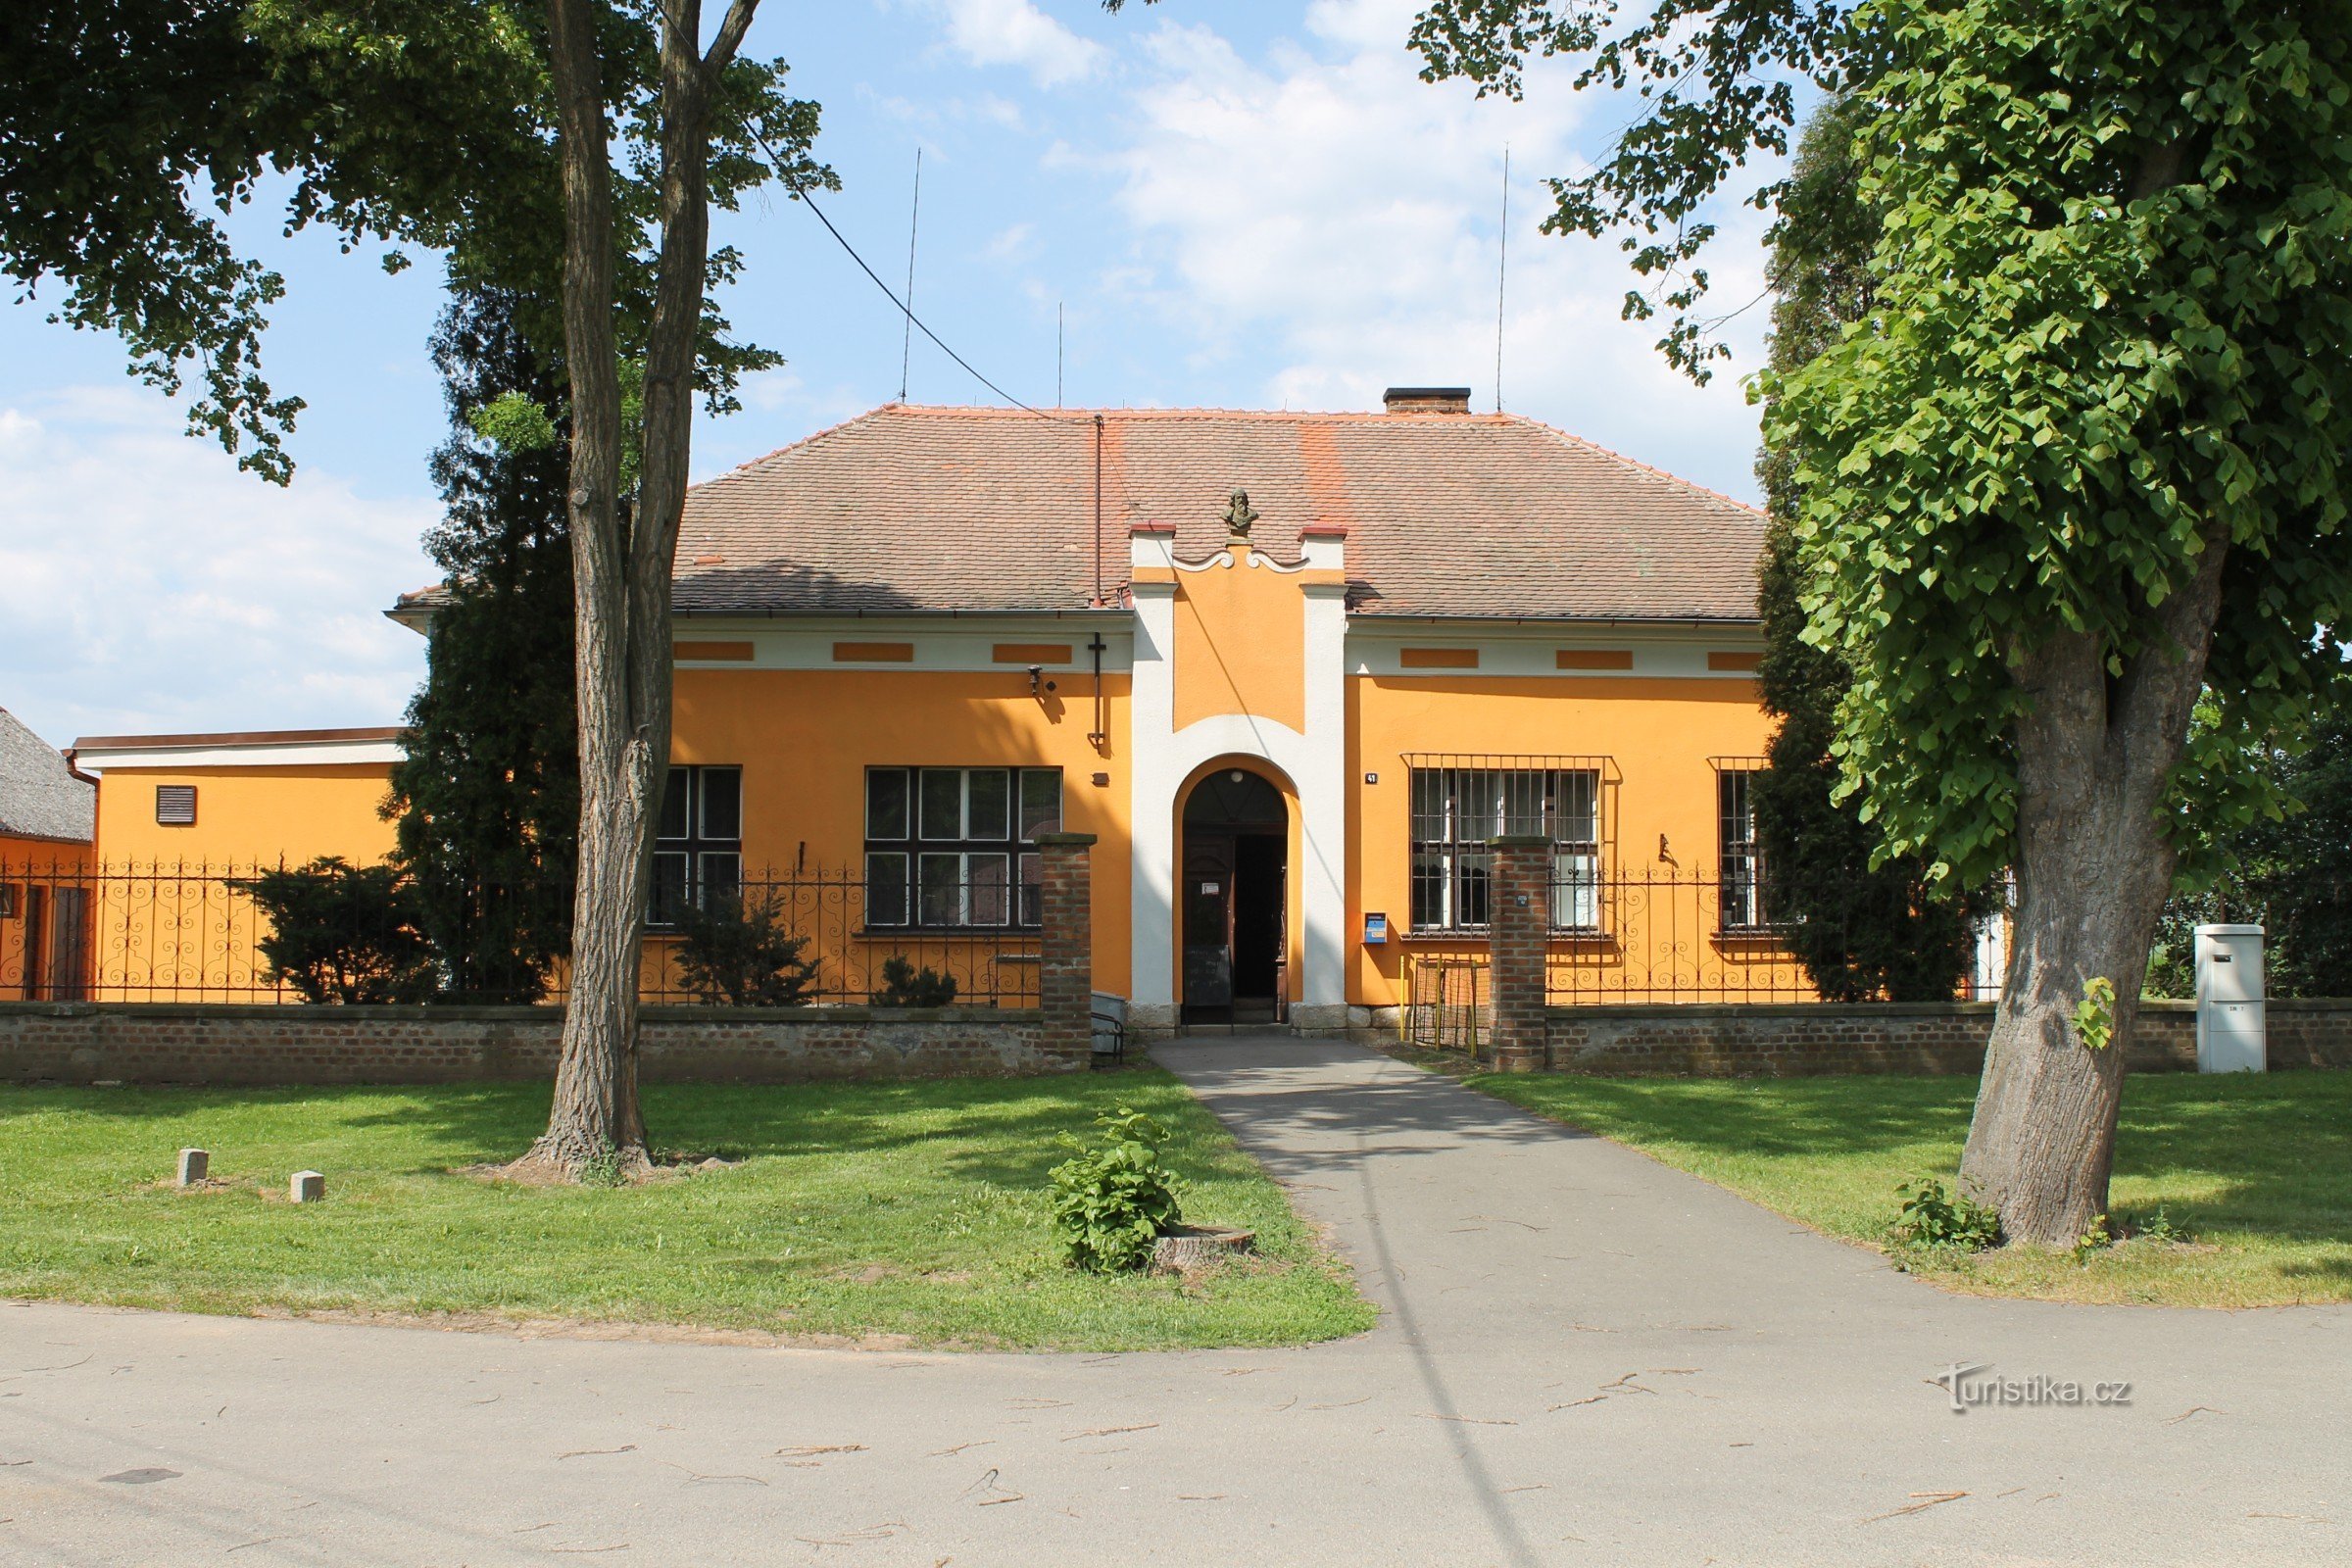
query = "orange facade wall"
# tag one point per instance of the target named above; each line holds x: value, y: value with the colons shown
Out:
x: 1659, y: 806
x: 1239, y: 644
x: 166, y: 922
x: 41, y: 853
x: 247, y: 815
x: 804, y: 739
x: 43, y: 935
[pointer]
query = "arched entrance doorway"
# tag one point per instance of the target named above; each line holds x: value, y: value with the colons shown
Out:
x: 1236, y: 900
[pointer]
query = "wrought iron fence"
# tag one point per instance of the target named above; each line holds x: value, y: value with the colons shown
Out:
x: 199, y: 933
x: 1653, y: 936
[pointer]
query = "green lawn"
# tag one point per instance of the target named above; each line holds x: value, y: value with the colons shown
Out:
x: 907, y: 1212
x: 2256, y: 1170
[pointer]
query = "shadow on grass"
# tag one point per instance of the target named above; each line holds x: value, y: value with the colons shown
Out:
x: 2266, y: 1157
x: 1777, y: 1117
x: 1002, y: 1132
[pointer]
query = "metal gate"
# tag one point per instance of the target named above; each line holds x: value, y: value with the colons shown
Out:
x: 1446, y: 1003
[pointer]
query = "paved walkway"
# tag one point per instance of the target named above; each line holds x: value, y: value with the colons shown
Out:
x: 1586, y: 1358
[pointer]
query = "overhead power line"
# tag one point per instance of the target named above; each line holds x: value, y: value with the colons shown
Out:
x: 901, y: 306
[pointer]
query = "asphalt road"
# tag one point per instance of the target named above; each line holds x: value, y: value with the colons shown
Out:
x: 1584, y: 1358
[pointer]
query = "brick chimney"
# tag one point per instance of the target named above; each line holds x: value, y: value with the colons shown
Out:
x: 1426, y: 398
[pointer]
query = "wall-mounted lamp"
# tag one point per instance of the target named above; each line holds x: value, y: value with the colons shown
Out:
x: 1038, y: 684
x: 1371, y: 779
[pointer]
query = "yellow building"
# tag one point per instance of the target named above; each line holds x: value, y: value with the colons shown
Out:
x: 181, y: 819
x: 237, y: 801
x: 1291, y: 669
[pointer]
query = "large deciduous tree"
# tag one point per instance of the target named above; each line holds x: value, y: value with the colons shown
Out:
x: 2083, y: 458
x: 1867, y: 927
x: 568, y: 150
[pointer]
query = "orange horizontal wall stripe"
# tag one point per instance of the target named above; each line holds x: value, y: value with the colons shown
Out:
x: 1031, y: 653
x: 738, y: 652
x: 1726, y: 660
x: 1438, y: 658
x: 873, y: 653
x: 1594, y: 658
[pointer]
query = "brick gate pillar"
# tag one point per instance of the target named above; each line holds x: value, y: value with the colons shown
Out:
x: 1065, y: 966
x: 1521, y: 931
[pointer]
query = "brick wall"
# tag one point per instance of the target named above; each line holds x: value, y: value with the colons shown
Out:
x: 1065, y: 954
x: 218, y: 1043
x: 207, y: 1042
x: 1707, y: 1041
x: 1520, y: 890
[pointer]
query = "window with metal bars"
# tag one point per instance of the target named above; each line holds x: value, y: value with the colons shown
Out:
x: 949, y: 847
x: 1740, y: 862
x: 697, y: 845
x: 1456, y: 810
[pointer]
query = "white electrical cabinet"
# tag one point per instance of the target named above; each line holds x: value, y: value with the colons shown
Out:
x: 2229, y: 999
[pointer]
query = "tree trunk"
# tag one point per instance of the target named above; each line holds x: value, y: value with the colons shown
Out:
x: 623, y: 558
x: 2094, y: 865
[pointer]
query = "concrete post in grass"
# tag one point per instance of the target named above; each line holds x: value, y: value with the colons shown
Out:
x: 195, y: 1164
x: 307, y: 1187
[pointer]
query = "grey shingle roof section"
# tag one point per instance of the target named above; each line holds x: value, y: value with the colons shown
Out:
x: 1448, y: 514
x: 39, y: 796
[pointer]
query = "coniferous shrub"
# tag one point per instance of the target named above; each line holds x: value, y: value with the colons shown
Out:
x: 343, y: 933
x: 486, y: 798
x: 904, y: 986
x: 740, y: 953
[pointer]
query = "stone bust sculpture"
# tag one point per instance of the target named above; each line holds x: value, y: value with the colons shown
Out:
x: 1239, y: 516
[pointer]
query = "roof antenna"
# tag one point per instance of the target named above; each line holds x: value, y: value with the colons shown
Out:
x: 913, y: 217
x: 1502, y: 272
x: 1057, y: 354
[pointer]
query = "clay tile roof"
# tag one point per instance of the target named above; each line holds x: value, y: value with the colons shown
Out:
x: 39, y: 796
x: 1448, y: 515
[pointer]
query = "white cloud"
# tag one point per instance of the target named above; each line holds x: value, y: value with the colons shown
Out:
x: 1323, y: 220
x: 145, y: 584
x: 1015, y: 242
x: 1015, y: 32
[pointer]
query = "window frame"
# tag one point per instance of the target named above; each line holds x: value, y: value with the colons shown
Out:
x: 1011, y: 898
x: 702, y: 856
x: 1447, y: 823
x: 1740, y: 887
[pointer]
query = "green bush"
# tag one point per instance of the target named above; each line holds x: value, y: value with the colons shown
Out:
x: 343, y: 933
x: 1113, y: 1201
x: 740, y: 954
x: 904, y: 986
x: 1932, y: 1218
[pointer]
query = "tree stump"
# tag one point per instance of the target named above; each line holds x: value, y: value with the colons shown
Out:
x: 1189, y: 1249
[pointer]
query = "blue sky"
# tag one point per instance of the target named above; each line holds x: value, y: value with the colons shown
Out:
x: 1234, y: 203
